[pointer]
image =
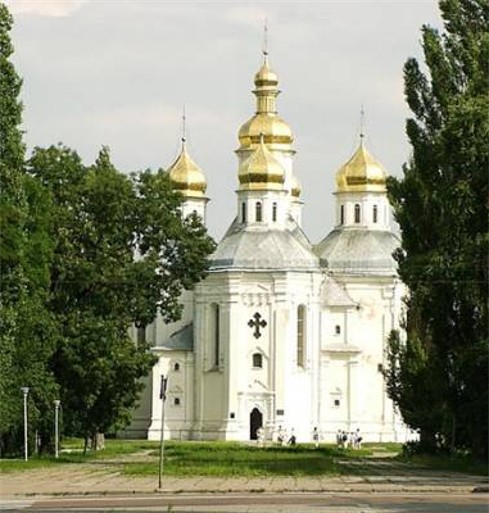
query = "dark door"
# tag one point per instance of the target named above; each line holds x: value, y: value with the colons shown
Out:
x: 256, y: 422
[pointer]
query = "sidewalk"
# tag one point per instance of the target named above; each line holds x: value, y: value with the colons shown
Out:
x: 74, y: 480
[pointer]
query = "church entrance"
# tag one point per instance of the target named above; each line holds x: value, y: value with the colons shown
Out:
x: 256, y: 422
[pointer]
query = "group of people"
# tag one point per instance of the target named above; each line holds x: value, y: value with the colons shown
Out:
x: 283, y: 438
x: 352, y: 440
x: 344, y: 439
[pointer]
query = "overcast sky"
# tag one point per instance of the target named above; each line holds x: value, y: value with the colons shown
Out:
x: 117, y: 73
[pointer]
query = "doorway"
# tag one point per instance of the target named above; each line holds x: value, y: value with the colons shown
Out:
x: 256, y: 422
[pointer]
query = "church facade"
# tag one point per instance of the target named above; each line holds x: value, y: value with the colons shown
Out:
x: 281, y: 334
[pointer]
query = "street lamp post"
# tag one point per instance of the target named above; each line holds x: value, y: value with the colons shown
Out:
x: 164, y: 384
x: 57, y: 402
x: 25, y: 391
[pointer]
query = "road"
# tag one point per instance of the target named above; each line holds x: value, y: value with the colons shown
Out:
x: 259, y: 503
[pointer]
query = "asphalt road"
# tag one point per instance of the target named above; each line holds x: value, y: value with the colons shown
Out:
x: 259, y: 503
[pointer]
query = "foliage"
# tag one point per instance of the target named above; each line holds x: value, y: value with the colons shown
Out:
x: 122, y: 255
x: 26, y: 329
x: 438, y: 378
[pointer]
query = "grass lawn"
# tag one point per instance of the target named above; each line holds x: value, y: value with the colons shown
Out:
x: 140, y: 458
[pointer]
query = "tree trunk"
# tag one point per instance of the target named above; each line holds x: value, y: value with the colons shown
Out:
x: 97, y: 442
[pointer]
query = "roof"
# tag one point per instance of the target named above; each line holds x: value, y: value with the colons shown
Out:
x: 359, y: 251
x: 262, y: 248
x: 181, y: 340
x: 332, y: 294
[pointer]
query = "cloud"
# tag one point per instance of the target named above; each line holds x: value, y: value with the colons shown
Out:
x: 51, y: 8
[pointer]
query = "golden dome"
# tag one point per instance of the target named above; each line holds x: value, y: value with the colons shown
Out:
x: 187, y: 177
x: 362, y: 173
x: 276, y: 132
x: 296, y: 187
x: 265, y: 76
x: 261, y: 170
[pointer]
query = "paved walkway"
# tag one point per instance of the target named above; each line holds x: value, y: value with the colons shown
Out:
x: 83, y: 479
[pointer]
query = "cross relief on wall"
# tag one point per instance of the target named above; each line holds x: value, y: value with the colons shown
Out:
x: 257, y: 322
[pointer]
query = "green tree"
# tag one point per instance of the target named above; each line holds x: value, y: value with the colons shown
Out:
x: 440, y: 384
x: 122, y: 255
x: 26, y: 341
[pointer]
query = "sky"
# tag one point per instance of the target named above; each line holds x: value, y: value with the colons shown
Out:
x: 118, y: 73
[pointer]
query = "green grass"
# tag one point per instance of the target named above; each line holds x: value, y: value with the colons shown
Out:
x: 140, y: 458
x: 232, y: 459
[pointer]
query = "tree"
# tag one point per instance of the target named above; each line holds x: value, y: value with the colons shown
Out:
x: 122, y: 254
x: 25, y: 326
x: 439, y: 377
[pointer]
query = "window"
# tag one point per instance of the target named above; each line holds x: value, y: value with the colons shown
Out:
x: 258, y: 212
x: 337, y: 402
x: 215, y: 335
x: 301, y: 335
x: 337, y: 329
x: 375, y: 214
x: 176, y: 367
x: 176, y: 401
x: 257, y: 361
x: 357, y: 213
x: 274, y: 212
x: 342, y: 214
x: 243, y: 212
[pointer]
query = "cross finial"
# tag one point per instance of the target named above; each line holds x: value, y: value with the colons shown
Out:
x: 362, y: 124
x: 183, y: 125
x: 265, y: 39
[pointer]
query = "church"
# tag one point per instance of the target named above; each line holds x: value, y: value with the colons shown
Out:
x: 281, y: 334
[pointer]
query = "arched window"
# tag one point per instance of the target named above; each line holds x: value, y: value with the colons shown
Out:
x: 357, y: 213
x: 375, y: 214
x: 258, y: 212
x: 215, y: 337
x: 342, y: 214
x: 176, y: 401
x: 274, y: 212
x: 301, y: 335
x: 257, y: 361
x: 243, y: 212
x: 176, y: 367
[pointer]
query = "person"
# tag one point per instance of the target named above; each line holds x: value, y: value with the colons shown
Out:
x: 260, y: 435
x: 292, y: 440
x: 358, y: 439
x: 352, y: 440
x: 344, y: 440
x: 281, y: 435
x: 315, y: 437
x: 339, y: 438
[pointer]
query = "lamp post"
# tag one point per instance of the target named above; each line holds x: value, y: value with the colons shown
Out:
x: 164, y: 383
x: 57, y: 403
x: 25, y: 391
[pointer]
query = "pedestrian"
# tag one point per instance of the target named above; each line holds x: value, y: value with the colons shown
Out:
x: 352, y: 440
x: 260, y: 435
x: 292, y: 440
x: 358, y: 439
x: 344, y: 440
x: 339, y: 438
x: 281, y: 435
x: 315, y: 437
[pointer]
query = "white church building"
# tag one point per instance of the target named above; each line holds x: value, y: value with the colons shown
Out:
x: 281, y: 333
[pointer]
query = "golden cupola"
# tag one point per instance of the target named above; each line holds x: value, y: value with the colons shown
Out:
x: 295, y: 188
x: 261, y: 170
x: 186, y: 176
x: 362, y: 173
x: 266, y: 122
